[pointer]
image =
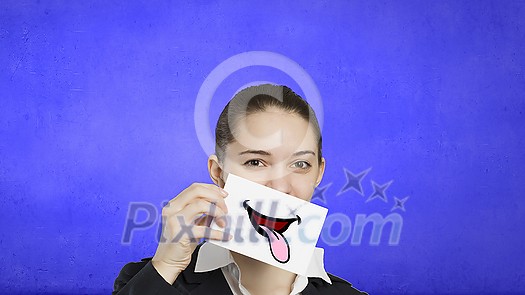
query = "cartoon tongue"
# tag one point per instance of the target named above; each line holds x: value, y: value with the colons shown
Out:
x: 278, y: 245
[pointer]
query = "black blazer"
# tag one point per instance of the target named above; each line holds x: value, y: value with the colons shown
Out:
x: 141, y: 278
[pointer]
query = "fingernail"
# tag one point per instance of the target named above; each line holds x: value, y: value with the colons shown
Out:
x: 223, y: 192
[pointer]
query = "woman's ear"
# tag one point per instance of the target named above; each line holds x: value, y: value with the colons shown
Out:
x: 322, y: 165
x: 215, y: 170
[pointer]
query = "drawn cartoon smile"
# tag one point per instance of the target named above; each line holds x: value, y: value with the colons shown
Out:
x: 272, y: 228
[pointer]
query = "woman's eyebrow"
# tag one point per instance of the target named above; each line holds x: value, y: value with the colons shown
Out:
x: 300, y: 153
x: 257, y: 152
x: 265, y: 153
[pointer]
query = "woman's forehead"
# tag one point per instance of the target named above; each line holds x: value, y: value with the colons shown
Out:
x: 277, y: 133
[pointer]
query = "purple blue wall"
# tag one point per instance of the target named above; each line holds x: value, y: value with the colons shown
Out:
x: 97, y: 111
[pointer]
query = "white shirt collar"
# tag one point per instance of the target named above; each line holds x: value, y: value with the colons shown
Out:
x: 211, y: 257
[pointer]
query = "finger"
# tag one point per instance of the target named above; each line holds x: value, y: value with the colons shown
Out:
x: 206, y: 220
x: 199, y: 207
x: 177, y: 231
x: 204, y: 232
x: 209, y: 192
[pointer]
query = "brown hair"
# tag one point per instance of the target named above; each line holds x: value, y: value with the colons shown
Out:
x: 257, y: 99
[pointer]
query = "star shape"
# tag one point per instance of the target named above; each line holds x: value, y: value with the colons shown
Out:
x: 353, y: 181
x: 399, y: 204
x: 379, y: 191
x: 319, y: 193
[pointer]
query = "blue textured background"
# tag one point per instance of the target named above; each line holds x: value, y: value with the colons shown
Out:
x: 97, y: 103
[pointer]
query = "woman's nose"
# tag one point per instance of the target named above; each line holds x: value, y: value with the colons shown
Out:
x: 281, y: 184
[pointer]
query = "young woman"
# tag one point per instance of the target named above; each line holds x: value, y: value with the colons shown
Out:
x: 267, y: 134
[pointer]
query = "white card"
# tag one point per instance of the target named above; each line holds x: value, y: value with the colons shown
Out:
x: 271, y: 226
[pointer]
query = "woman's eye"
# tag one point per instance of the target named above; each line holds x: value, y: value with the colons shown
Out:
x: 302, y: 165
x: 253, y: 163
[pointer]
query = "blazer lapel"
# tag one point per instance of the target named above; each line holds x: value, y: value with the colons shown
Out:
x: 311, y: 287
x: 209, y: 281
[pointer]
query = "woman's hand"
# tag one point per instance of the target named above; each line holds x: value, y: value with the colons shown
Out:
x: 183, y: 225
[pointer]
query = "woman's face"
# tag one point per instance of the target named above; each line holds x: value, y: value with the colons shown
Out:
x: 273, y: 148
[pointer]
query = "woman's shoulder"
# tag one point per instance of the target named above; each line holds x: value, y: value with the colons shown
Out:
x: 338, y: 286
